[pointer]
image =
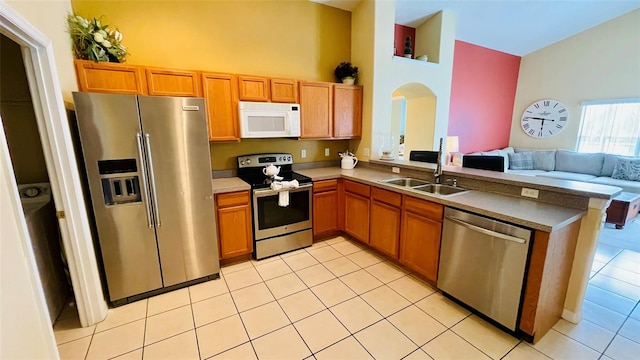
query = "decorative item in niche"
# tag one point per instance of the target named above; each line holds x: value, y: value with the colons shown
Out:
x: 407, y: 47
x: 93, y: 40
x: 346, y: 73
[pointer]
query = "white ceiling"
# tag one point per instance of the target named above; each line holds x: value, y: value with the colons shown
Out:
x: 517, y: 27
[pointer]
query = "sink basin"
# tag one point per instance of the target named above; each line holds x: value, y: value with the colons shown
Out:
x: 439, y: 189
x: 406, y: 182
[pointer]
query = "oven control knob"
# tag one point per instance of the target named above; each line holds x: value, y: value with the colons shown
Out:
x: 242, y: 162
x: 289, y: 158
x: 281, y: 158
x: 248, y: 161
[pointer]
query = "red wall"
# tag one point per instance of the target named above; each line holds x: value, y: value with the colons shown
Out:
x: 401, y: 32
x: 483, y: 90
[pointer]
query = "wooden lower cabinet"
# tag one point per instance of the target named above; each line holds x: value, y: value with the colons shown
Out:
x: 234, y: 224
x: 356, y: 210
x: 385, y: 221
x: 325, y: 203
x: 420, y: 236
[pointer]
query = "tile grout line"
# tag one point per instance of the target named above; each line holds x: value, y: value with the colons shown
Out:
x: 193, y: 319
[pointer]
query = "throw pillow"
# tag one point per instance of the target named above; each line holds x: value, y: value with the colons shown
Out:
x: 544, y: 160
x: 521, y: 161
x: 627, y: 169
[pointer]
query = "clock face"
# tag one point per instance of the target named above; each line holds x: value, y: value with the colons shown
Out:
x: 544, y: 118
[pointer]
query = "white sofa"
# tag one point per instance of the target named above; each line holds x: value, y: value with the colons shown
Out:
x: 597, y: 168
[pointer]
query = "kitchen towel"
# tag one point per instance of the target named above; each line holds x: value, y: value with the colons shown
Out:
x: 283, y: 194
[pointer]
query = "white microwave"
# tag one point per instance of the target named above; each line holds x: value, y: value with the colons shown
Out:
x: 268, y: 120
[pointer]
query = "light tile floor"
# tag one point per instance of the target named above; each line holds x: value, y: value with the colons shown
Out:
x: 336, y: 300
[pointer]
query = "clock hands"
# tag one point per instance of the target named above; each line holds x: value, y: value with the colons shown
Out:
x: 538, y: 118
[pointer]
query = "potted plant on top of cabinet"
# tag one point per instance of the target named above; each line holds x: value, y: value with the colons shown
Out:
x: 346, y: 73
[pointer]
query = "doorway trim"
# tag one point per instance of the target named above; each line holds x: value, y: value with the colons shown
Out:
x: 62, y: 168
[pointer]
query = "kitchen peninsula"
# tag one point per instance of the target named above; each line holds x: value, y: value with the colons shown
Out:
x: 566, y: 218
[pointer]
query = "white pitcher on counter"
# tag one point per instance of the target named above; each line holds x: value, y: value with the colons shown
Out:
x: 348, y: 161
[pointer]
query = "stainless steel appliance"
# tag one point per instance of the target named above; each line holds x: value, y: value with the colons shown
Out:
x: 482, y: 264
x: 277, y: 229
x: 149, y: 173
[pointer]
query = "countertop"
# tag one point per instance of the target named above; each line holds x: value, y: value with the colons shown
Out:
x: 529, y: 213
x: 224, y: 185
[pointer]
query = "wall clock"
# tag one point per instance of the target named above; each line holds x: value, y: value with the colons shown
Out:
x: 544, y: 118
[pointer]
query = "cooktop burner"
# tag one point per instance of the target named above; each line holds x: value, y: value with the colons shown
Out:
x: 250, y: 169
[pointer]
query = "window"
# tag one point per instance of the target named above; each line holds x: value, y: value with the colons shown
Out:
x: 611, y: 126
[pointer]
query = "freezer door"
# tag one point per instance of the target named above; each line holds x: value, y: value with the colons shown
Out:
x: 108, y: 125
x: 175, y: 131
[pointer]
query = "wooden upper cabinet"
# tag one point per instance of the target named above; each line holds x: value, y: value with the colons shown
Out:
x: 316, y: 110
x: 104, y: 77
x: 168, y: 82
x: 284, y: 91
x: 347, y: 111
x: 253, y: 88
x: 221, y: 96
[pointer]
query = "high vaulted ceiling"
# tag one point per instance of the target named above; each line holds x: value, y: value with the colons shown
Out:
x: 517, y: 27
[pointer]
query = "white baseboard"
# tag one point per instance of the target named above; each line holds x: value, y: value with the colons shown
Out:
x: 571, y: 316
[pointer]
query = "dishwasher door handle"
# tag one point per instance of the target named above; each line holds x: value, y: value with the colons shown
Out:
x: 487, y: 231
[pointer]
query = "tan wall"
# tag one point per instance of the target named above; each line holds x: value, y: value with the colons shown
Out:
x: 18, y: 117
x: 599, y: 63
x: 294, y: 39
x: 49, y: 17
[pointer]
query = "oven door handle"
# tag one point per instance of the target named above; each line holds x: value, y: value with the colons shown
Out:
x: 267, y: 192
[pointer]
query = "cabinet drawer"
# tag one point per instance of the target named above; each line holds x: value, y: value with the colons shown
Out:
x: 325, y: 185
x: 423, y: 207
x: 357, y: 188
x: 232, y: 199
x: 386, y: 196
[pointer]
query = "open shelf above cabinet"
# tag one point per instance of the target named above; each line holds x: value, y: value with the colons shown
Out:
x: 404, y: 60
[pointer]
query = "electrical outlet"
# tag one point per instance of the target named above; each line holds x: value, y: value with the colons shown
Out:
x: 303, y: 153
x: 532, y: 193
x: 366, y: 151
x: 326, y: 152
x: 395, y: 170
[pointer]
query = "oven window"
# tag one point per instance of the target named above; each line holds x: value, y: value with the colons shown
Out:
x: 271, y: 215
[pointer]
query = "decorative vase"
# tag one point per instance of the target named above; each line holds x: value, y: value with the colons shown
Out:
x: 348, y: 80
x: 407, y: 47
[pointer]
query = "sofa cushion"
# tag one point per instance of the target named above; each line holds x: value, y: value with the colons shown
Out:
x: 626, y: 185
x: 609, y: 164
x: 567, y: 176
x: 582, y: 163
x: 521, y: 161
x: 542, y: 159
x: 627, y: 169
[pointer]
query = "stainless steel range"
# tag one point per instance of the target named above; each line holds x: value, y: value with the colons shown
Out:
x: 277, y: 229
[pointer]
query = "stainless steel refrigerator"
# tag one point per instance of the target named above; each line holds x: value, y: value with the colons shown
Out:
x: 149, y: 173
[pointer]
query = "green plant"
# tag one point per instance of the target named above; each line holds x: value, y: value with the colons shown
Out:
x: 92, y: 40
x: 345, y: 69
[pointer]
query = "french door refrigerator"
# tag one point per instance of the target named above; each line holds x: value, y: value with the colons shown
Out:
x: 149, y: 173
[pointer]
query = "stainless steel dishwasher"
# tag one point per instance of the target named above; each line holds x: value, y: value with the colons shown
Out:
x: 482, y: 264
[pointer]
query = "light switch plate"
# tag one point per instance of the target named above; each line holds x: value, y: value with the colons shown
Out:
x: 395, y: 170
x: 303, y: 153
x: 532, y: 193
x: 366, y: 151
x: 326, y: 152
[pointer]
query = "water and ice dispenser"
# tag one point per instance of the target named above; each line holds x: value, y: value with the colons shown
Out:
x: 120, y: 181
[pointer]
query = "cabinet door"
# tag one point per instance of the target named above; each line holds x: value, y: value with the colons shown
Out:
x: 110, y: 78
x: 253, y: 88
x: 284, y: 91
x: 316, y: 110
x: 168, y: 82
x: 356, y: 213
x: 347, y: 111
x: 385, y: 228
x: 325, y: 217
x: 234, y: 224
x: 420, y: 244
x: 221, y: 95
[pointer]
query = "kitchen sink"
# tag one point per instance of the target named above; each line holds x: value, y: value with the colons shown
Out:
x: 406, y: 182
x: 439, y: 189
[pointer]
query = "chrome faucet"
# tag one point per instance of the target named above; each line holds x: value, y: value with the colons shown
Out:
x: 438, y: 172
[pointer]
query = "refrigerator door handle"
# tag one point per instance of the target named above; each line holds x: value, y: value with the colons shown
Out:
x: 153, y: 180
x: 145, y: 189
